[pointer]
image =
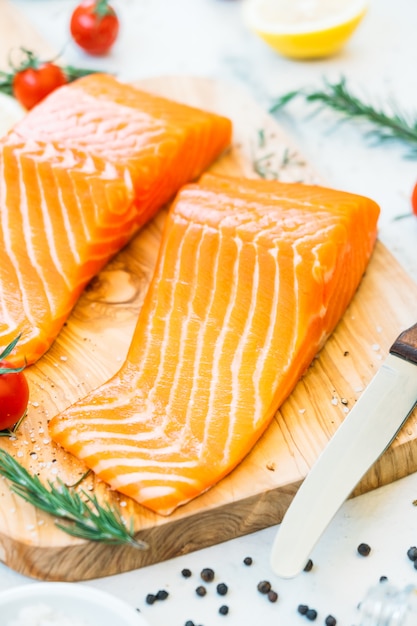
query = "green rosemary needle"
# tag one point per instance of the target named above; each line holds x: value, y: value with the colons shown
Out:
x: 395, y: 125
x: 83, y: 516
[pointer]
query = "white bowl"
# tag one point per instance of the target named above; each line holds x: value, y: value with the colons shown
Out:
x: 78, y: 602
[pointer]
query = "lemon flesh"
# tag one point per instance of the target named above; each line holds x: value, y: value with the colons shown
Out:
x: 305, y: 29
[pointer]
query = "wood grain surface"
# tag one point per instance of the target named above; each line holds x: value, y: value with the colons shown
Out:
x: 94, y: 342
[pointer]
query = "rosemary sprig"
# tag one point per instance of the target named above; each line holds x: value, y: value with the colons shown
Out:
x: 72, y: 73
x: 384, y: 126
x: 3, y: 356
x: 262, y: 168
x: 82, y: 517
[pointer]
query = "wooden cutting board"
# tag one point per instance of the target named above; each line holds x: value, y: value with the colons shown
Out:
x: 92, y: 347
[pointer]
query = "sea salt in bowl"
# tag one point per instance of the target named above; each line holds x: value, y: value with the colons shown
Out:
x: 65, y: 604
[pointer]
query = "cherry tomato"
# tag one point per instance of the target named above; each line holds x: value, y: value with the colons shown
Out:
x: 414, y: 200
x: 31, y: 84
x: 94, y: 26
x: 14, y: 390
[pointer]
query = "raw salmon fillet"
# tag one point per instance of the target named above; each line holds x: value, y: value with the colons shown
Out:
x: 162, y: 143
x: 79, y: 175
x: 252, y: 278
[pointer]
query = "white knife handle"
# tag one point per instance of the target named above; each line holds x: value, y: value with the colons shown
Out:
x: 361, y: 438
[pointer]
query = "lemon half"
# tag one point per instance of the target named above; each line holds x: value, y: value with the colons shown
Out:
x: 304, y: 29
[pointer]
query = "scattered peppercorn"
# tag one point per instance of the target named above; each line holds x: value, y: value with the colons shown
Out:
x: 364, y: 549
x: 308, y: 566
x: 150, y: 598
x: 189, y: 623
x: 272, y: 596
x: 330, y: 621
x: 162, y: 594
x: 412, y: 553
x: 224, y: 609
x: 207, y: 574
x: 383, y: 579
x: 264, y: 586
x: 201, y: 591
x: 186, y: 572
x: 311, y: 614
x: 248, y: 560
x: 302, y: 609
x: 222, y: 589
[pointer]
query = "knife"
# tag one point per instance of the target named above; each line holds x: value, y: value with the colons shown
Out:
x: 362, y: 437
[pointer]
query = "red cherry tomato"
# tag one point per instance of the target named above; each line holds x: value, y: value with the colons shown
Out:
x: 94, y: 26
x: 33, y: 84
x: 14, y: 390
x: 414, y: 200
x: 14, y: 396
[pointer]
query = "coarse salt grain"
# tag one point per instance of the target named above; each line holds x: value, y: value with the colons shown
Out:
x: 43, y: 615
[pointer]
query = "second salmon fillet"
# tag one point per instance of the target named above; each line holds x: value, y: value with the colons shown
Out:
x: 252, y: 278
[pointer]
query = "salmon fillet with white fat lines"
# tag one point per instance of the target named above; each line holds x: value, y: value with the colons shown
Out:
x: 79, y: 175
x: 162, y: 143
x: 252, y: 278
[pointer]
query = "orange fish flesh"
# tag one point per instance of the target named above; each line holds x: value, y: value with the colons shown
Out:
x: 251, y: 279
x: 79, y: 175
x: 164, y: 144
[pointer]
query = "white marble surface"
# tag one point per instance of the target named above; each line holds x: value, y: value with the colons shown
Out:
x: 208, y: 37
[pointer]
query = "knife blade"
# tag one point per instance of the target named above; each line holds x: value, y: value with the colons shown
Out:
x: 360, y: 440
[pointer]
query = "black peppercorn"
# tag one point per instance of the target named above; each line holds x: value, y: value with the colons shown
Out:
x: 364, y: 549
x: 186, y: 572
x: 412, y: 553
x: 302, y: 609
x: 150, y: 598
x: 272, y: 596
x: 311, y: 614
x: 264, y: 586
x: 330, y: 621
x: 207, y: 574
x: 248, y: 560
x: 189, y: 623
x: 162, y: 594
x: 383, y: 579
x: 222, y: 589
x: 201, y: 591
x: 224, y: 609
x: 308, y: 566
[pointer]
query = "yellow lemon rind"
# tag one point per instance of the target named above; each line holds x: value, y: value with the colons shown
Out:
x: 317, y: 44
